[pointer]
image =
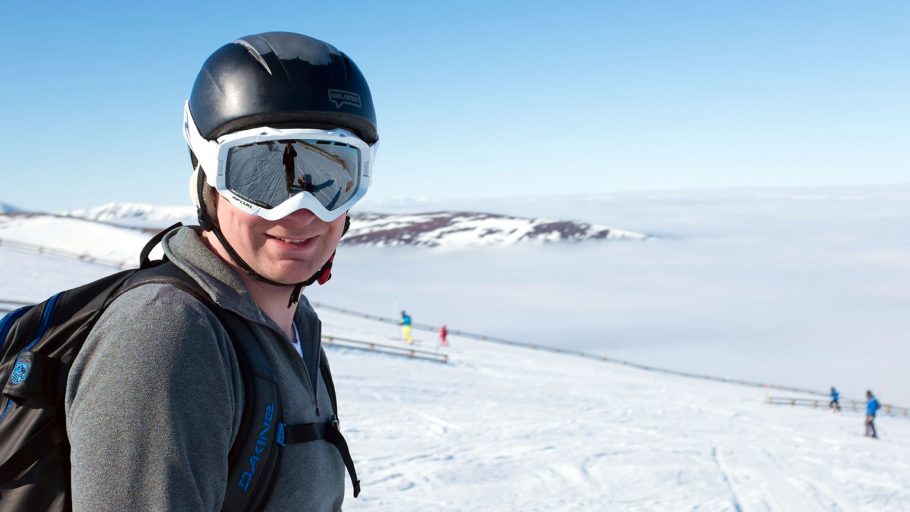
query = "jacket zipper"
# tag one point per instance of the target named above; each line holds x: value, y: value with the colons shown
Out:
x: 290, y: 350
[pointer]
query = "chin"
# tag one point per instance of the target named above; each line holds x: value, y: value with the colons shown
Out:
x: 292, y: 275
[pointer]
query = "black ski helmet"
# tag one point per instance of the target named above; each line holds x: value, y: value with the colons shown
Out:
x: 281, y: 79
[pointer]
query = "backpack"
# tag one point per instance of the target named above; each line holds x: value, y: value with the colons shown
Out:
x: 39, y: 343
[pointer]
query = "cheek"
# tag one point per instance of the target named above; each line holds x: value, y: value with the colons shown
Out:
x: 238, y: 227
x: 336, y: 230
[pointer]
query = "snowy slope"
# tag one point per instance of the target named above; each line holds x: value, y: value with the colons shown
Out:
x: 435, y: 229
x: 138, y: 215
x: 510, y: 429
x: 503, y: 428
x: 79, y: 237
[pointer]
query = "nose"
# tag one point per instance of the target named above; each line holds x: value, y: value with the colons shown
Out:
x: 302, y: 217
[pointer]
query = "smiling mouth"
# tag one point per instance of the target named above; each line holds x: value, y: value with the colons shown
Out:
x: 292, y: 241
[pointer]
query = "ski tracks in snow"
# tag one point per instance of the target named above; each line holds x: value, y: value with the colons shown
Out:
x: 501, y: 429
x: 758, y: 482
x: 734, y: 499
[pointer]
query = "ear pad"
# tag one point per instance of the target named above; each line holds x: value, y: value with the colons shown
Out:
x: 194, y: 194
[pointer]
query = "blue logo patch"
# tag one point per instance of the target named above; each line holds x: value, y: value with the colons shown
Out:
x: 20, y: 372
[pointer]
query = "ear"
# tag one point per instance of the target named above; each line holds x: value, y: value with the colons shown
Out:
x: 207, y: 213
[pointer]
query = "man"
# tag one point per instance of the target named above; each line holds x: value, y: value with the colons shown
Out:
x: 871, y: 408
x: 405, y: 323
x: 155, y: 398
x: 834, y: 405
x: 287, y: 159
x: 443, y: 336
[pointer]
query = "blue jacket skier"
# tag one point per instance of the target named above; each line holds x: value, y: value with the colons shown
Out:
x: 406, y: 327
x: 872, y: 407
x: 835, y: 399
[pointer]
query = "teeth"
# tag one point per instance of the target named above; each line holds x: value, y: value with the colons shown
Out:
x: 288, y: 240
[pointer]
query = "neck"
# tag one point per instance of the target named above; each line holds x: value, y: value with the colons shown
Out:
x: 271, y: 299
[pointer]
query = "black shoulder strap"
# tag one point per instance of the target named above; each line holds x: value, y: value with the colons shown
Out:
x: 144, y: 261
x: 329, y: 383
x: 253, y: 457
x: 329, y: 432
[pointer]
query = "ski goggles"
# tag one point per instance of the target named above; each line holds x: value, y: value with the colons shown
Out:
x: 273, y: 172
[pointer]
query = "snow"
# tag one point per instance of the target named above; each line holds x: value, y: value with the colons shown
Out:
x: 505, y: 428
x: 138, y: 215
x: 510, y: 429
x: 459, y: 230
x: 74, y: 236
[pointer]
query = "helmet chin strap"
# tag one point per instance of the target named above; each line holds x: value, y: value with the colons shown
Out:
x: 321, y: 276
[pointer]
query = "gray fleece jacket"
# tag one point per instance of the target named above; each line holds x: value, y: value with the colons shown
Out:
x: 155, y: 398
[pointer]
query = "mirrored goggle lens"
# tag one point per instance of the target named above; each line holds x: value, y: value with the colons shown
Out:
x: 269, y: 173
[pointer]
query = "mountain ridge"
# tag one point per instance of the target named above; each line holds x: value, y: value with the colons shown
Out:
x: 437, y: 229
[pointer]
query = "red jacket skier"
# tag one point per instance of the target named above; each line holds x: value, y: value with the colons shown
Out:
x: 443, y: 334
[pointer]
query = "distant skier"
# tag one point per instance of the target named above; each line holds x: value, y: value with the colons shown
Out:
x: 288, y: 160
x: 443, y: 336
x: 835, y: 400
x: 406, y: 327
x: 872, y: 407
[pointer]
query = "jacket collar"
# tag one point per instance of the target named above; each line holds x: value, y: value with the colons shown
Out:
x: 184, y: 246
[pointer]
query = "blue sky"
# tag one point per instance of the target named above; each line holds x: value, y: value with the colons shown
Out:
x: 479, y: 99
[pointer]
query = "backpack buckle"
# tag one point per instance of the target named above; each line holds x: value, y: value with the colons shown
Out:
x: 279, y: 435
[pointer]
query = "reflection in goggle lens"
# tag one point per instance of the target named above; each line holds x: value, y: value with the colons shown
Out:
x: 269, y: 173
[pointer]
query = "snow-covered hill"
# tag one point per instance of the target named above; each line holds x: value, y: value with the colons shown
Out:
x: 438, y: 229
x: 84, y: 239
x: 504, y: 428
x: 137, y: 215
x: 470, y: 229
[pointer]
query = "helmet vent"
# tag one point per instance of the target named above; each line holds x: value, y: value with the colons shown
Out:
x: 255, y: 54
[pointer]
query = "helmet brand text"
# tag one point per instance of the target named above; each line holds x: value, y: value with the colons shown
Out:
x: 339, y: 98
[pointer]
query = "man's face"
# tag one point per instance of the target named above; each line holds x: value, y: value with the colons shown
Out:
x: 289, y: 250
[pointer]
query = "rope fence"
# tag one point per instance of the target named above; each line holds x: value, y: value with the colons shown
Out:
x: 853, y: 405
x: 384, y: 348
x: 596, y: 357
x: 40, y: 249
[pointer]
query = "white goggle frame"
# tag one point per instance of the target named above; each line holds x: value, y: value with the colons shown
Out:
x: 213, y: 155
